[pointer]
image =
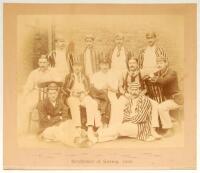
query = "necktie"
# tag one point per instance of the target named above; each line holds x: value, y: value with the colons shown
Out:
x: 79, y: 78
x: 118, y: 52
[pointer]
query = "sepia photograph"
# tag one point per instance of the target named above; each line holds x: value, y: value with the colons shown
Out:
x: 93, y: 81
x: 85, y: 82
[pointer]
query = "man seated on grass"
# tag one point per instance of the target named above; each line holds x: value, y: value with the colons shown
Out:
x: 136, y: 118
x: 133, y: 75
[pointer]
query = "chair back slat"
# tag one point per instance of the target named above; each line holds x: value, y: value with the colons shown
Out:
x: 43, y: 92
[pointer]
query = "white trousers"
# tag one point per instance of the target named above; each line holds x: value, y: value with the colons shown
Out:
x: 92, y: 112
x: 164, y: 109
x: 117, y: 109
x: 113, y: 132
x: 64, y: 132
x: 154, y: 113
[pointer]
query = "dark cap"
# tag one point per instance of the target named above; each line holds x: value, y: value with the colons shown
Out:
x: 150, y: 34
x: 51, y: 85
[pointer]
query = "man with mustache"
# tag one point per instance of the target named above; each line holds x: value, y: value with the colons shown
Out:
x: 31, y: 91
x: 133, y: 75
x: 136, y: 118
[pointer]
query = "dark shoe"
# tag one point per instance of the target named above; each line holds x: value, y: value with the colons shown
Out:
x: 155, y: 134
x: 169, y: 133
x: 85, y: 144
x: 78, y: 140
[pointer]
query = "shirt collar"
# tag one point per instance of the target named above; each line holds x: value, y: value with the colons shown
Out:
x: 163, y: 73
x: 133, y: 73
x: 122, y: 48
x: 53, y: 104
x: 44, y: 71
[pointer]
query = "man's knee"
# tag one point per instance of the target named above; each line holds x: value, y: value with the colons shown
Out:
x: 89, y: 101
x: 73, y: 101
x: 162, y: 107
x: 48, y: 133
x: 153, y: 102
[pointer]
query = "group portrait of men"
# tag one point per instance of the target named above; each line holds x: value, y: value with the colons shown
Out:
x: 95, y: 97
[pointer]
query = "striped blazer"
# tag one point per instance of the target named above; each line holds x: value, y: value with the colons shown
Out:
x: 158, y: 51
x: 141, y: 116
x: 94, y: 60
x: 52, y: 55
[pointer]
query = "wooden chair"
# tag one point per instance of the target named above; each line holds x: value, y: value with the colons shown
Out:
x: 33, y: 124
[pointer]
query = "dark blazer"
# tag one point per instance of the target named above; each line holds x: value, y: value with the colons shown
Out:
x: 69, y: 82
x: 46, y: 108
x: 169, y: 83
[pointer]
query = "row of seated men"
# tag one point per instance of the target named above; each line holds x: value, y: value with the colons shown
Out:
x: 114, y: 105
